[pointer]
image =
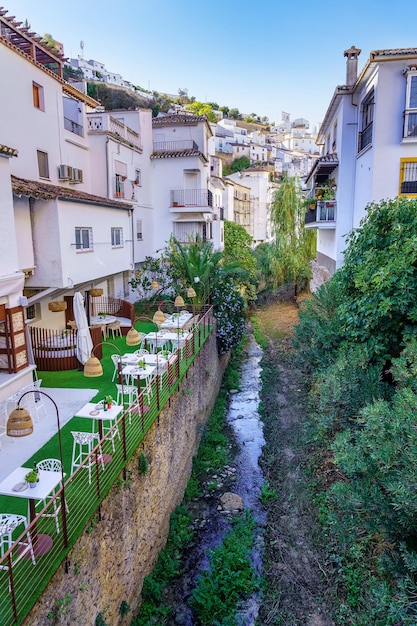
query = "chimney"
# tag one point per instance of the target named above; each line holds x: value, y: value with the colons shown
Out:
x: 351, y: 65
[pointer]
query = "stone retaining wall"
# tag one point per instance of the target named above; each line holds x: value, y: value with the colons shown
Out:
x: 108, y: 564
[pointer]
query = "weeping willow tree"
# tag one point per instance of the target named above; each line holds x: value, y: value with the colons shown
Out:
x: 288, y: 260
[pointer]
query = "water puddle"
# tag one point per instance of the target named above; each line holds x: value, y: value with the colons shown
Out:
x: 244, y: 421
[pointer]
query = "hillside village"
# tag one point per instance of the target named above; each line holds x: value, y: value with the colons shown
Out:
x: 90, y: 193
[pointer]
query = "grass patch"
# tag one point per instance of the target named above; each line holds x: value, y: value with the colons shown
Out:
x: 230, y: 579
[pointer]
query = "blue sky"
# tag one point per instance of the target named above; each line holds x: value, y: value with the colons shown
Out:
x: 264, y: 57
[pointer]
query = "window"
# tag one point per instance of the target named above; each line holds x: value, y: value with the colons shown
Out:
x: 366, y: 122
x: 117, y: 237
x: 38, y: 97
x: 43, y: 165
x: 84, y: 238
x: 138, y: 178
x: 139, y: 232
x: 408, y: 177
x: 33, y: 312
x: 334, y: 144
x: 410, y: 114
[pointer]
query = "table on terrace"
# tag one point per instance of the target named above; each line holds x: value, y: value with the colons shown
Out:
x: 48, y: 481
x: 95, y: 411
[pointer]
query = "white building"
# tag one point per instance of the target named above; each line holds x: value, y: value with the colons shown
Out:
x: 61, y: 235
x: 369, y: 142
x: 257, y: 180
x: 182, y: 197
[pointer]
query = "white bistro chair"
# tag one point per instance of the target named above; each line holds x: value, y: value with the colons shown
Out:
x: 8, y: 523
x: 52, y: 465
x: 83, y: 445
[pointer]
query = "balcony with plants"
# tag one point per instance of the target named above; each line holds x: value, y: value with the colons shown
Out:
x: 321, y: 205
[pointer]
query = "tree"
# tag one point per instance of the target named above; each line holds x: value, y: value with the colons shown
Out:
x: 201, y: 108
x: 294, y: 245
x: 379, y: 277
x: 225, y: 111
x: 234, y: 114
x: 238, y: 251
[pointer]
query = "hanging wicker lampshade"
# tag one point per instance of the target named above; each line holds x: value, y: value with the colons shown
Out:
x: 154, y: 285
x: 57, y: 305
x: 133, y: 337
x: 179, y: 301
x: 19, y: 423
x: 191, y: 292
x: 95, y: 293
x: 93, y: 368
x: 158, y: 317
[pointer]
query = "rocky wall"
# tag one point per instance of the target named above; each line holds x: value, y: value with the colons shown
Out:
x: 108, y: 564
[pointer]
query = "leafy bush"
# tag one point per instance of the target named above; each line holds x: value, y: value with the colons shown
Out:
x: 229, y: 310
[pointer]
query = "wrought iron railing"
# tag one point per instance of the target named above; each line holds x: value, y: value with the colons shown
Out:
x: 22, y: 583
x: 365, y: 137
x: 191, y: 198
x: 410, y: 124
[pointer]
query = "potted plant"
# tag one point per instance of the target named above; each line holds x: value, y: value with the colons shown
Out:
x: 109, y: 401
x: 32, y: 478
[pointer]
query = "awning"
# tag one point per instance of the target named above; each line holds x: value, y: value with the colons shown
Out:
x: 324, y: 165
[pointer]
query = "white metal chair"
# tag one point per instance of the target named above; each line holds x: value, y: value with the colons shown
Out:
x: 83, y: 445
x: 163, y: 365
x: 116, y: 359
x: 130, y: 394
x: 8, y: 523
x: 141, y: 351
x: 52, y: 465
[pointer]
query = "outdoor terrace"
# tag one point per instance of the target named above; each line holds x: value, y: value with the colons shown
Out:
x: 22, y: 582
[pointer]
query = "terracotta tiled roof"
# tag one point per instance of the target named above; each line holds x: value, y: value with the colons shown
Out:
x: 166, y: 154
x: 178, y: 120
x: 8, y: 151
x: 45, y: 191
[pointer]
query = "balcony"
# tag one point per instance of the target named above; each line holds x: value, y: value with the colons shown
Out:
x: 410, y: 124
x: 101, y: 123
x: 73, y: 127
x: 191, y: 198
x: 175, y: 146
x: 322, y: 216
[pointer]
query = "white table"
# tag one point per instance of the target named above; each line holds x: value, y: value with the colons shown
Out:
x: 177, y: 322
x: 139, y: 372
x: 91, y: 412
x: 48, y: 481
x: 99, y: 320
x: 150, y: 359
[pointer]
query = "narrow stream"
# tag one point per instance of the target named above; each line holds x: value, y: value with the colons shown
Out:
x: 211, y: 524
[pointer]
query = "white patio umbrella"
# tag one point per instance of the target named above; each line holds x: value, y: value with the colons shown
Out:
x: 84, y: 341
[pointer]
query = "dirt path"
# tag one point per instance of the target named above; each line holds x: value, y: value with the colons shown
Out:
x: 294, y: 569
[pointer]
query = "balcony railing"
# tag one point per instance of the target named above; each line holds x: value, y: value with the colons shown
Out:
x: 325, y: 212
x: 410, y: 124
x: 191, y: 198
x: 174, y: 146
x: 106, y: 123
x: 73, y: 127
x: 365, y: 137
x: 22, y: 582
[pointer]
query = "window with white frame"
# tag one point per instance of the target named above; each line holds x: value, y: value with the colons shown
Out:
x: 43, y: 164
x: 83, y: 239
x: 139, y: 231
x: 410, y: 114
x: 117, y: 237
